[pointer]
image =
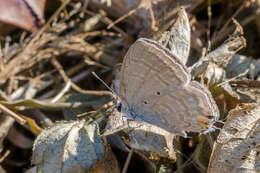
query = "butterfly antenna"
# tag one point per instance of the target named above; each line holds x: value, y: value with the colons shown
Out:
x: 110, y: 89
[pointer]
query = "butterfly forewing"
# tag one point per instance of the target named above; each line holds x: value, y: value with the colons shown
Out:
x: 147, y: 71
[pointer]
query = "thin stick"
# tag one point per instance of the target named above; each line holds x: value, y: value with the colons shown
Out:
x: 209, y: 24
x: 154, y: 27
x: 232, y: 17
x: 106, y: 20
x: 210, y: 140
x: 4, y: 156
x: 146, y: 4
x: 61, y: 93
x: 179, y: 157
x: 122, y: 18
x: 14, y: 115
x: 58, y: 66
x: 128, y: 159
x: 10, y: 66
x: 39, y: 33
x: 229, y: 80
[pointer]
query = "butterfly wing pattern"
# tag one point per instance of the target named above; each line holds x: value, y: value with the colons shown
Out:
x: 155, y: 87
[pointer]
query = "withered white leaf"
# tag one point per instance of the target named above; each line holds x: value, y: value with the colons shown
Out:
x: 237, y: 149
x: 67, y: 147
x: 222, y: 55
x: 214, y: 74
x: 179, y: 42
x: 178, y: 38
x: 142, y: 136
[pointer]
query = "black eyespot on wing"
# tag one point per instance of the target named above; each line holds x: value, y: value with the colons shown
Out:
x: 158, y: 93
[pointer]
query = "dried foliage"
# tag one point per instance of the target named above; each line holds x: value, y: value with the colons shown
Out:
x: 76, y: 146
x: 237, y: 146
x: 46, y: 76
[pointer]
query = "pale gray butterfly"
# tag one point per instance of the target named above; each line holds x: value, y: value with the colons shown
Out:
x: 156, y: 88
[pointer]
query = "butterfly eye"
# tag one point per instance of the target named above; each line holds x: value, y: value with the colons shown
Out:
x: 118, y: 107
x: 209, y: 116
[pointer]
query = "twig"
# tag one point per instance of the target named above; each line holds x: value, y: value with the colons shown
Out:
x: 232, y: 79
x: 106, y: 20
x: 58, y: 66
x: 209, y: 25
x: 23, y: 58
x: 246, y: 83
x: 17, y: 118
x: 179, y: 157
x: 4, y: 156
x: 57, y: 12
x: 62, y: 92
x: 122, y: 18
x: 210, y: 140
x: 146, y: 4
x: 128, y: 159
x: 75, y: 79
x: 245, y: 4
x: 5, y: 125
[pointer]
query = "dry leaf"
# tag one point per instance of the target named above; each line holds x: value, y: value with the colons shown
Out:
x: 225, y: 98
x: 178, y: 39
x: 24, y: 14
x: 68, y: 147
x: 237, y: 148
x: 142, y: 136
x: 214, y: 75
x: 222, y: 55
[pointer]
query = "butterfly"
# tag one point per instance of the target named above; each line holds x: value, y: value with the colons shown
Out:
x: 156, y: 88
